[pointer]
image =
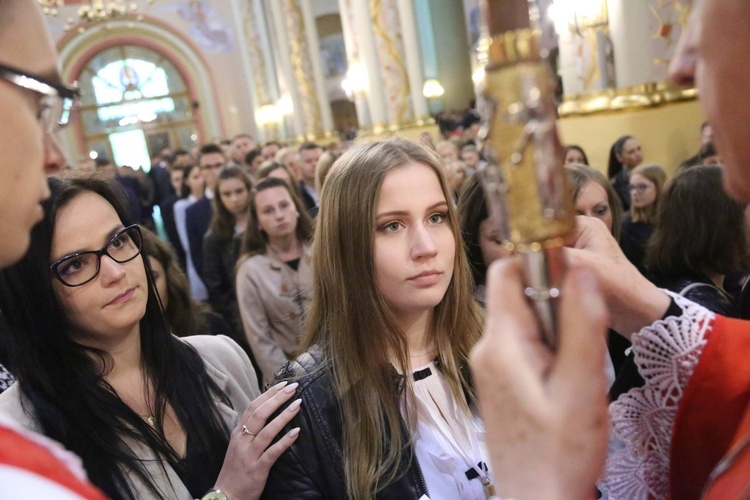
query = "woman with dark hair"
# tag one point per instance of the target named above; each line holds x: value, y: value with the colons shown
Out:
x: 221, y: 242
x: 273, y: 273
x: 388, y: 410
x: 480, y: 239
x: 150, y: 415
x: 646, y: 187
x: 624, y: 155
x: 693, y: 259
x: 575, y: 154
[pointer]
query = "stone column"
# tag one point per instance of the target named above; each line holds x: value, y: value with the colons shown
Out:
x: 239, y: 7
x: 257, y: 58
x: 382, y: 36
x: 301, y: 64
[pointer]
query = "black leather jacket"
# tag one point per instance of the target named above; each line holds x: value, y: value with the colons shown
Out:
x: 313, y: 467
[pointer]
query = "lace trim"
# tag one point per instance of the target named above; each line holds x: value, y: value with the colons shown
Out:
x: 666, y: 354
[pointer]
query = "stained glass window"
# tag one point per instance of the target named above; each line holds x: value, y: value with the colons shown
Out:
x: 130, y: 88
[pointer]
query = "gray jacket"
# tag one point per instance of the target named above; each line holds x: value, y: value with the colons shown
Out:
x: 271, y: 297
x: 228, y: 366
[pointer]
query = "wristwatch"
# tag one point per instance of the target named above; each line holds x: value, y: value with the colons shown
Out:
x: 215, y: 495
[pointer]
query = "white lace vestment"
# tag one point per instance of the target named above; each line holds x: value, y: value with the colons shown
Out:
x: 666, y: 354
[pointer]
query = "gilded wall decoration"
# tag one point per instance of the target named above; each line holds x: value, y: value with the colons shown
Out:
x: 389, y: 44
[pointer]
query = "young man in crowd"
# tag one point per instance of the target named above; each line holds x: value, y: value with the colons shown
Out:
x: 198, y: 215
x: 309, y: 154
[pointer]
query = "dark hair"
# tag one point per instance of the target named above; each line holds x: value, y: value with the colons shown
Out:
x: 208, y: 149
x: 579, y: 175
x: 472, y: 210
x: 61, y: 381
x: 186, y: 170
x: 222, y: 222
x: 102, y: 161
x: 615, y: 166
x: 183, y: 314
x: 700, y: 229
x: 306, y: 146
x: 252, y: 155
x: 580, y: 150
x: 254, y: 240
x: 707, y: 150
x: 266, y: 170
x: 177, y: 152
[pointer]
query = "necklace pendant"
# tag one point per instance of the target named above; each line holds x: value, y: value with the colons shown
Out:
x: 488, y: 488
x: 151, y: 421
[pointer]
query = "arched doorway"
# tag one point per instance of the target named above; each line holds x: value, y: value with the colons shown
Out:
x: 135, y: 102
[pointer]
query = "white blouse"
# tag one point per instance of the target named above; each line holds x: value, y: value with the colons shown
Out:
x: 449, y: 442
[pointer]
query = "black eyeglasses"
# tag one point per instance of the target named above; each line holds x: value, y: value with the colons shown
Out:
x: 56, y: 103
x: 79, y: 268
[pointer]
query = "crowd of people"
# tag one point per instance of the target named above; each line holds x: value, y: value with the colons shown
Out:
x: 343, y: 321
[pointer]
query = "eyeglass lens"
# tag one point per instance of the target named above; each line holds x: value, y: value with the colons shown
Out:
x: 83, y: 267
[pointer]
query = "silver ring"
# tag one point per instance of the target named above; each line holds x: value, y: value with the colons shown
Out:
x: 539, y: 295
x: 246, y: 431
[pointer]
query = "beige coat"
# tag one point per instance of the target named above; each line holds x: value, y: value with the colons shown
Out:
x: 228, y: 366
x: 271, y: 298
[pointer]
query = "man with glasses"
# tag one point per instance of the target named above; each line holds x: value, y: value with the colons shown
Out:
x: 198, y: 216
x: 34, y: 105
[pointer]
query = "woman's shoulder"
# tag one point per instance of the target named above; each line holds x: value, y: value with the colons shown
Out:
x: 224, y: 358
x: 217, y: 348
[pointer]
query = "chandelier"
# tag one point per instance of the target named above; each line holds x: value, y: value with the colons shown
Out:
x: 93, y: 11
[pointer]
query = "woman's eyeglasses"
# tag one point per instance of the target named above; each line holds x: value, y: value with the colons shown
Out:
x: 56, y: 102
x: 79, y: 268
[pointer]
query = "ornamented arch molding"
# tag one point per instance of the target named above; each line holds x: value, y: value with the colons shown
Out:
x: 77, y: 50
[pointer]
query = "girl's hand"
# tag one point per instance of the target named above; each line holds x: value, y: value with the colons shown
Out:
x: 250, y: 455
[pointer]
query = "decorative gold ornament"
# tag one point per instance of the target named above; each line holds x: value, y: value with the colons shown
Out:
x: 647, y: 95
x: 93, y: 11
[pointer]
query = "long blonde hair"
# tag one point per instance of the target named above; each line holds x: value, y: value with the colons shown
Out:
x: 351, y: 321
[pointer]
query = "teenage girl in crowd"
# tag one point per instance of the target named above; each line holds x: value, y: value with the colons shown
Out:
x: 150, y: 415
x: 700, y: 238
x: 273, y: 273
x: 221, y: 242
x: 388, y: 410
x: 646, y: 189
